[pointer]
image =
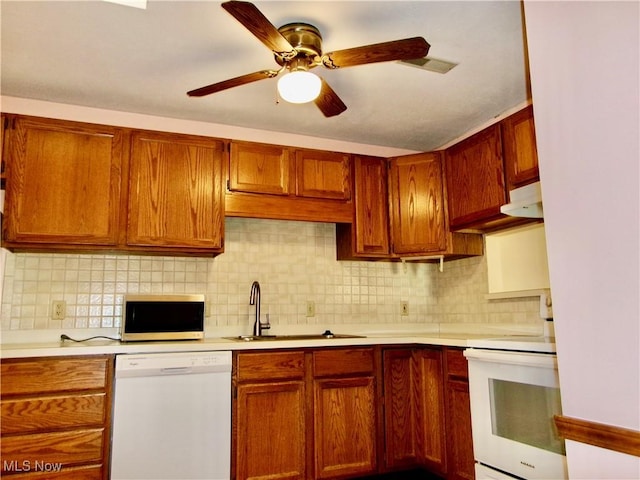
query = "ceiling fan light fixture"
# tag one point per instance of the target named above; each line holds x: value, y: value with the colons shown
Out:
x: 299, y: 86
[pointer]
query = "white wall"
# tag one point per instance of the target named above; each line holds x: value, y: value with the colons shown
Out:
x: 584, y: 59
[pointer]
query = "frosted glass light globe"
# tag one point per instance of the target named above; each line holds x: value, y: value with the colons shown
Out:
x: 299, y: 87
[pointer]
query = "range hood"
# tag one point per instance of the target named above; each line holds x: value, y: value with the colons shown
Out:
x: 525, y: 202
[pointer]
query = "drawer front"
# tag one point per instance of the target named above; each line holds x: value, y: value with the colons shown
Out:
x: 343, y: 362
x: 53, y: 375
x: 50, y: 413
x: 66, y: 448
x: 456, y: 363
x: 270, y: 365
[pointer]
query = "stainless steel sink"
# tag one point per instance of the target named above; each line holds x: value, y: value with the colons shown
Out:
x: 327, y: 335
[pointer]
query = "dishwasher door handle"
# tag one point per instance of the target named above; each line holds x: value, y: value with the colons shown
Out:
x: 176, y: 370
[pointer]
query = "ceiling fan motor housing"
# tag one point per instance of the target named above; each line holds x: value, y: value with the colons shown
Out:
x: 305, y: 39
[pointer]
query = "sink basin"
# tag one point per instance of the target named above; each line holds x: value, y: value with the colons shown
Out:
x: 327, y: 335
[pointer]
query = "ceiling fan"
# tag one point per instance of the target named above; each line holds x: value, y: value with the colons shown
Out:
x: 297, y: 48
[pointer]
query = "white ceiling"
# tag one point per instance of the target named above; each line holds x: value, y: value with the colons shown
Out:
x: 110, y: 56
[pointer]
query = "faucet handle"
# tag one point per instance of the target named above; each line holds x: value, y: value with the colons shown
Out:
x: 267, y: 324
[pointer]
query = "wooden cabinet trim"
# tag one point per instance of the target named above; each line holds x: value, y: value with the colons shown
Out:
x: 611, y: 437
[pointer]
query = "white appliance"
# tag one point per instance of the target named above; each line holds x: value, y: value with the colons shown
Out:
x: 172, y: 416
x: 525, y: 202
x: 514, y: 397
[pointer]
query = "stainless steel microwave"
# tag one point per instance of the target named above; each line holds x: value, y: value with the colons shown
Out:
x: 162, y: 317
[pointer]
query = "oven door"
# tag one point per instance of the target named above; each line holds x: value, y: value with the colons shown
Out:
x: 514, y: 397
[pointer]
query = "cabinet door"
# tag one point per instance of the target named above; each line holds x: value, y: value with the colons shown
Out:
x: 175, y: 191
x: 260, y: 168
x: 431, y: 410
x: 345, y: 427
x: 460, y: 456
x: 460, y: 442
x: 401, y: 404
x: 418, y: 204
x: 322, y: 174
x: 270, y: 421
x: 475, y: 178
x: 63, y: 182
x: 520, y: 150
x: 371, y: 206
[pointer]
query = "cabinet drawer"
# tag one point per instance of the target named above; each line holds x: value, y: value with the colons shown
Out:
x: 270, y: 365
x: 456, y: 363
x: 343, y: 362
x: 70, y: 447
x: 48, y: 413
x: 53, y: 375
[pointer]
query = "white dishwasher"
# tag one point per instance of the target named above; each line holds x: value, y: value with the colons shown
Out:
x: 172, y: 416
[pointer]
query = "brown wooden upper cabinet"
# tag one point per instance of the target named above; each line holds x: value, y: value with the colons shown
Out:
x: 260, y: 168
x: 272, y: 181
x: 411, y: 220
x: 321, y: 174
x: 417, y: 204
x: 75, y: 186
x: 64, y: 182
x: 475, y: 178
x: 368, y: 236
x: 481, y: 170
x: 176, y: 191
x: 520, y: 150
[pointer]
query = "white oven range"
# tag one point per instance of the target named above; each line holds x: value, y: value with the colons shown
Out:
x: 515, y: 393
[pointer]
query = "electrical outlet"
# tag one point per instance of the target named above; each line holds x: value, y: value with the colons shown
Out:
x: 311, y: 309
x: 404, y: 308
x: 58, y: 309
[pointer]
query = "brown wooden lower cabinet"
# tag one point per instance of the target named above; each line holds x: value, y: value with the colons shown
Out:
x: 427, y: 412
x: 56, y: 417
x: 460, y: 456
x: 344, y: 412
x: 305, y: 414
x: 271, y: 430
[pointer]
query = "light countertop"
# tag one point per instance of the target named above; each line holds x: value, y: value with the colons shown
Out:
x: 521, y: 338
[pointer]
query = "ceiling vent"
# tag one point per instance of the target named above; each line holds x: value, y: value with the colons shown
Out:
x: 430, y: 64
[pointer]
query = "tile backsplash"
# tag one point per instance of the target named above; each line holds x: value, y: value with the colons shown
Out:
x: 295, y: 262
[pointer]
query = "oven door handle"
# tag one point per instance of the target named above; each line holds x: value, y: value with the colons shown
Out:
x: 543, y: 360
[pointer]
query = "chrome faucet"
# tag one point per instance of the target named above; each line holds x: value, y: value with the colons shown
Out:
x: 254, y: 299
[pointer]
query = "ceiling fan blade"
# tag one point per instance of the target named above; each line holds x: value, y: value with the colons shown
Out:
x: 254, y: 21
x: 232, y: 82
x: 329, y: 102
x: 405, y: 49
